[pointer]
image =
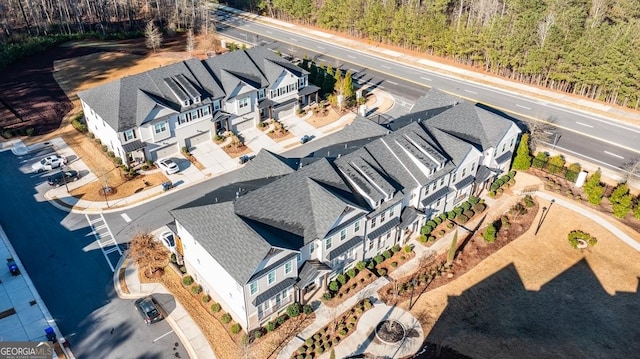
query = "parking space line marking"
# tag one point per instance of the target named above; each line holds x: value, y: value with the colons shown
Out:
x: 162, y: 336
x: 126, y: 218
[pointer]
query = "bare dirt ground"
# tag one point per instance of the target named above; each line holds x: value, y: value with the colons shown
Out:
x: 538, y: 297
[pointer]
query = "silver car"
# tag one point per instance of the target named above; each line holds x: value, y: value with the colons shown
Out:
x: 48, y: 163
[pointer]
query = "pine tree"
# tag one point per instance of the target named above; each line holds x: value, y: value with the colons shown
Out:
x: 594, y: 189
x: 621, y: 200
x: 522, y: 162
x: 333, y: 354
x: 348, y: 91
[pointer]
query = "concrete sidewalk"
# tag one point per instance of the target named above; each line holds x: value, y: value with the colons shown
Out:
x: 186, y: 329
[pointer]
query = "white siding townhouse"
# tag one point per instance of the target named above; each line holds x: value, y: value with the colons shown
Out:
x: 155, y: 113
x: 282, y: 229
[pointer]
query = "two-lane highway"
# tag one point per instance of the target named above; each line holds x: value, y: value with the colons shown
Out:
x: 606, y: 142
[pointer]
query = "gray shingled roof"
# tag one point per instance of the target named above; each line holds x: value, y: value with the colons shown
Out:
x: 472, y: 124
x: 125, y: 103
x: 267, y: 164
x: 226, y: 237
x: 306, y: 203
x: 360, y: 128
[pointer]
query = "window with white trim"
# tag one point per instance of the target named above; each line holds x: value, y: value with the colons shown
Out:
x: 382, y: 216
x: 216, y: 105
x: 129, y: 135
x: 160, y: 127
x: 312, y: 247
x: 343, y: 235
x: 288, y: 267
x: 242, y: 103
x: 271, y: 277
x: 373, y: 222
x: 328, y: 243
x: 356, y: 226
x: 253, y: 287
x: 260, y: 94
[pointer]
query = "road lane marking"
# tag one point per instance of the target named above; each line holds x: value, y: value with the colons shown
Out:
x: 292, y: 39
x: 380, y: 86
x: 525, y: 107
x: 426, y: 78
x: 351, y: 56
x: 269, y: 32
x: 391, y: 82
x: 584, y: 124
x: 469, y: 91
x: 322, y: 59
x: 614, y: 155
x: 162, y: 336
x: 126, y: 218
x: 321, y: 48
x: 385, y: 67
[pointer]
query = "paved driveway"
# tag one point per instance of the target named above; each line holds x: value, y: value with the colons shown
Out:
x: 74, y: 281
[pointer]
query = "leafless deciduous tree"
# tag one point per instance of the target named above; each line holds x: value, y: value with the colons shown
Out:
x: 632, y: 169
x: 153, y: 36
x: 149, y: 253
x: 541, y: 132
x: 191, y: 42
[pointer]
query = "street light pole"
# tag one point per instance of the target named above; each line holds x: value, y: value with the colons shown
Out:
x: 545, y: 211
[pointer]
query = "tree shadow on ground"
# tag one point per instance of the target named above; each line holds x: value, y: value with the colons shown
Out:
x: 571, y: 316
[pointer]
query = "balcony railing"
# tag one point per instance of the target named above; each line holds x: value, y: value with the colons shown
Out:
x: 274, y: 308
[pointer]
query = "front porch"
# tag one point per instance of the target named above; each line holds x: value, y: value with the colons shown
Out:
x: 135, y: 153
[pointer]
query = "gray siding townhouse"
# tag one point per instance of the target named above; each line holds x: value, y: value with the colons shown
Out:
x: 155, y: 113
x: 287, y: 226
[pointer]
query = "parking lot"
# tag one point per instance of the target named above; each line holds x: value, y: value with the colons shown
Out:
x: 70, y: 273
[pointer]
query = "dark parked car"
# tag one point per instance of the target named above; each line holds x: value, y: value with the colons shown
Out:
x: 246, y: 158
x: 149, y: 309
x: 62, y: 177
x: 304, y: 139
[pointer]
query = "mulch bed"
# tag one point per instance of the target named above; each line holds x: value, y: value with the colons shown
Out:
x: 361, y: 281
x: 472, y: 250
x: 31, y: 96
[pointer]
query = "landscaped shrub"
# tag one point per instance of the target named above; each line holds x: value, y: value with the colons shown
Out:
x: 215, y: 307
x: 293, y: 310
x: 426, y: 229
x: 438, y: 220
x: 450, y: 225
x: 271, y: 326
x: 474, y: 200
x: 79, y: 125
x: 394, y: 264
x: 187, y: 280
x: 621, y: 200
x: 281, y: 319
x: 441, y: 232
x: 462, y: 219
x: 458, y: 211
x: 489, y: 234
x: 431, y: 239
x: 522, y: 161
x: 371, y: 264
x: 104, y: 148
x: 360, y: 265
x: 97, y: 141
x: 342, y: 279
x: 334, y: 286
x: 572, y: 171
x: 451, y: 215
x: 30, y: 131
x: 407, y: 248
x: 110, y: 154
x: 518, y: 209
x: 594, y: 189
x: 196, y: 289
x: 326, y: 296
x: 378, y: 259
x: 466, y: 206
x: 351, y: 273
x: 382, y: 272
x: 309, y: 341
x: 91, y: 135
x: 528, y: 201
x: 574, y: 238
x: 431, y: 223
x: 636, y: 210
x: 442, y: 216
x: 395, y: 248
x: 387, y: 254
x: 206, y: 298
x: 235, y: 329
x: 257, y: 334
x: 555, y: 164
x: 540, y: 160
x: 226, y: 318
x: 307, y: 309
x: 492, y: 194
x: 469, y: 213
x: 504, y: 222
x: 422, y: 238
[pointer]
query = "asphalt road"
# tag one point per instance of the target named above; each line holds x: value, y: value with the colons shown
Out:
x: 73, y: 279
x: 599, y: 140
